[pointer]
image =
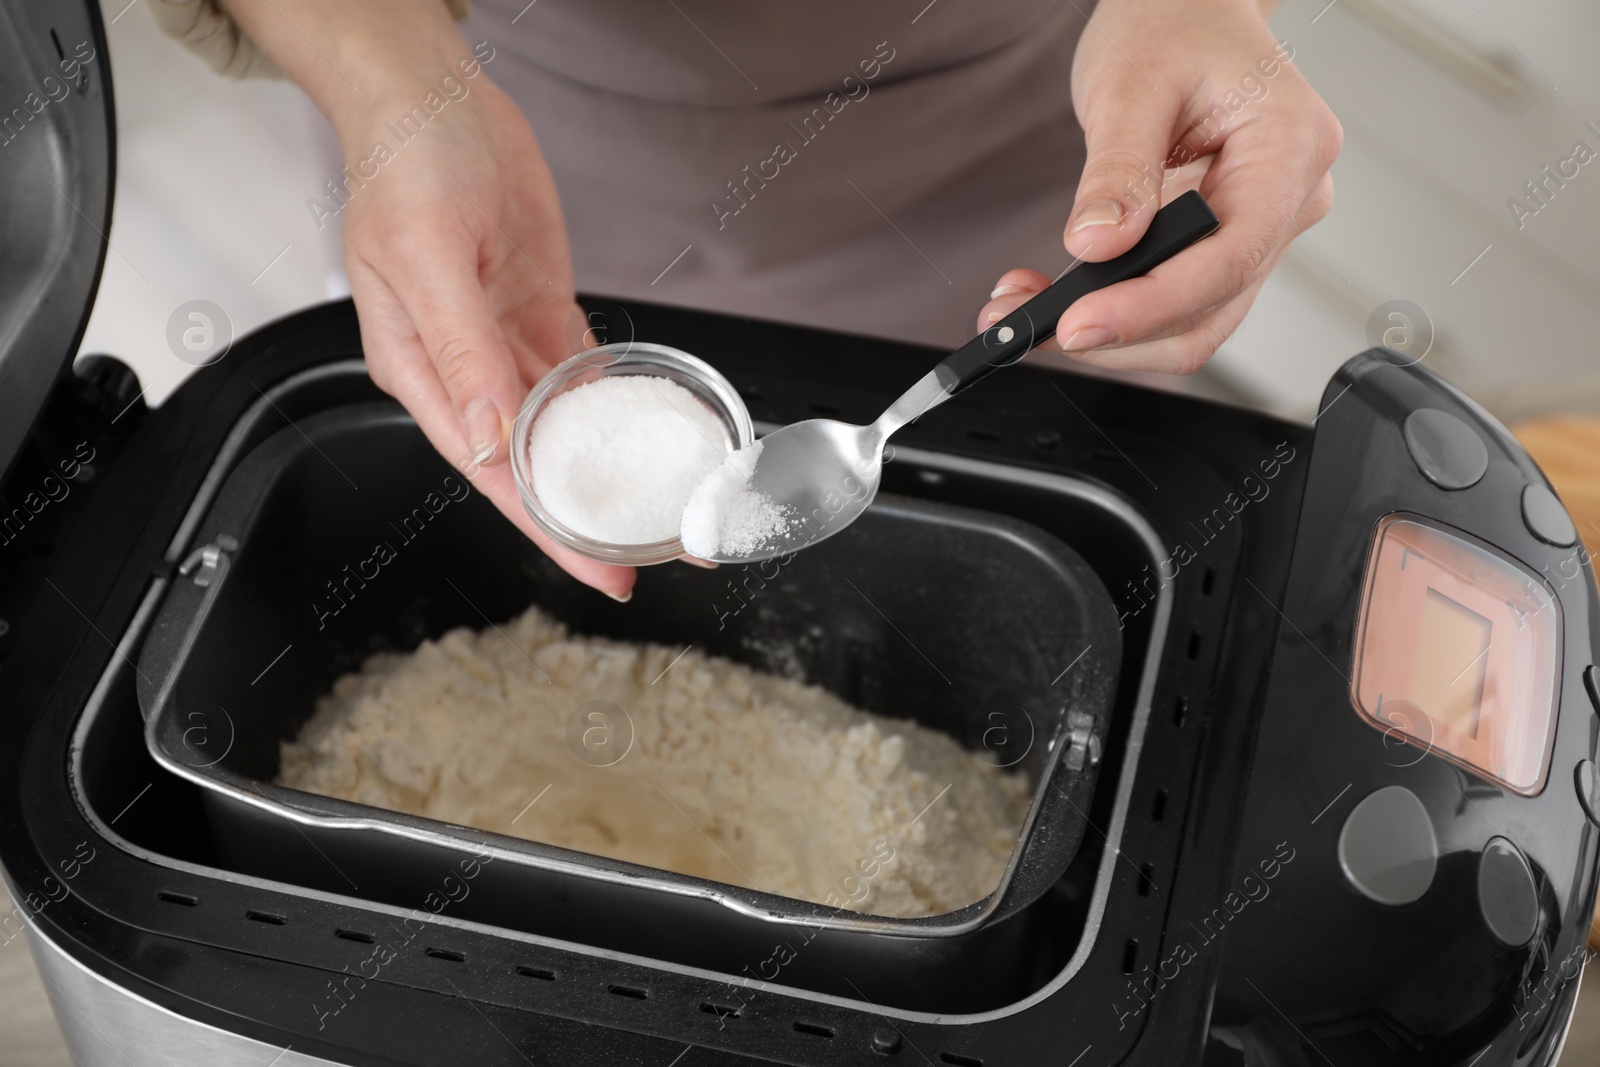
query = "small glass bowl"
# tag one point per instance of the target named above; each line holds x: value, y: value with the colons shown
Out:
x: 631, y: 357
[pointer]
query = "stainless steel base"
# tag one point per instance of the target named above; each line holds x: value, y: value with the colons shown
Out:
x: 105, y: 1024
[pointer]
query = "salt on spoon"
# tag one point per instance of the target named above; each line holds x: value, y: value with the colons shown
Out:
x: 727, y: 515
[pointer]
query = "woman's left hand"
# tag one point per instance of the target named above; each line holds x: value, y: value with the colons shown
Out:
x: 1158, y: 85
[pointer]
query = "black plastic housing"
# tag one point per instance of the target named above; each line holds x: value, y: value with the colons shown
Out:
x: 159, y: 913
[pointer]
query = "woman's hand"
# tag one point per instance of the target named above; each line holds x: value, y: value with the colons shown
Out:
x: 454, y: 242
x: 1159, y: 85
x: 458, y: 263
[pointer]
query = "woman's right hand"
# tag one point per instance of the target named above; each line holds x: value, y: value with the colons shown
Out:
x: 454, y: 242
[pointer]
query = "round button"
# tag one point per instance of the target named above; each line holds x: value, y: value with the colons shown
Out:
x: 1589, y: 790
x: 1507, y: 894
x: 1545, y: 516
x: 885, y: 1042
x: 1447, y: 451
x: 1388, y: 849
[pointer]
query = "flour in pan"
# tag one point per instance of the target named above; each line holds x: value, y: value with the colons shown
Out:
x: 731, y: 774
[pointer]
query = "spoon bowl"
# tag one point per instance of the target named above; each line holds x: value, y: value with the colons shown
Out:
x: 823, y: 474
x: 818, y: 462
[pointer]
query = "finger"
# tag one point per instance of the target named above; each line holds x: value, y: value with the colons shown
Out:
x: 443, y: 295
x: 1015, y: 288
x: 400, y: 366
x: 1263, y: 197
x: 1181, y: 353
x: 1128, y: 126
x: 544, y: 330
x: 1019, y: 280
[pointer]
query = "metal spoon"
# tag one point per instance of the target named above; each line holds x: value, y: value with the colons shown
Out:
x: 825, y: 473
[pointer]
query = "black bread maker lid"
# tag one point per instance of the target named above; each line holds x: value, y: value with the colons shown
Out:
x: 57, y: 162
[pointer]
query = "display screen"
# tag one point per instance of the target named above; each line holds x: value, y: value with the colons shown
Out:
x: 1458, y: 652
x: 1451, y: 649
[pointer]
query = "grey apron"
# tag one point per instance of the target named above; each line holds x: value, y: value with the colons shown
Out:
x: 868, y: 167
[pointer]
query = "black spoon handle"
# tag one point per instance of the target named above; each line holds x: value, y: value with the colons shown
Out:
x: 1174, y: 228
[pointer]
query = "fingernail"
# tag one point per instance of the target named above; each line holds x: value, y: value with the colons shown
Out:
x: 994, y: 316
x: 1005, y: 290
x: 1097, y: 213
x: 1087, y: 338
x: 480, y: 422
x: 623, y: 599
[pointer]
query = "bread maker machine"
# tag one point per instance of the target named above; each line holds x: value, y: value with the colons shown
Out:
x: 1311, y: 711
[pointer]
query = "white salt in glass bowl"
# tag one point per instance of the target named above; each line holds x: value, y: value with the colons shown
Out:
x: 632, y: 357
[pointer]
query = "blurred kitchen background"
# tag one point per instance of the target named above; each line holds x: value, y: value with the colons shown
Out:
x: 1449, y: 108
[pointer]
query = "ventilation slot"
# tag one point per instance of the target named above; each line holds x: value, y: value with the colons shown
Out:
x: 827, y: 410
x: 355, y: 935
x: 814, y: 1029
x: 629, y: 991
x: 959, y: 1060
x: 1180, y: 710
x: 721, y: 1011
x: 1145, y: 879
x: 1209, y: 581
x: 1158, y: 810
x: 1130, y: 955
x: 183, y: 899
x: 265, y: 917
x: 537, y: 972
x: 1109, y: 457
x: 982, y: 435
x: 1194, y: 644
x: 445, y: 954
